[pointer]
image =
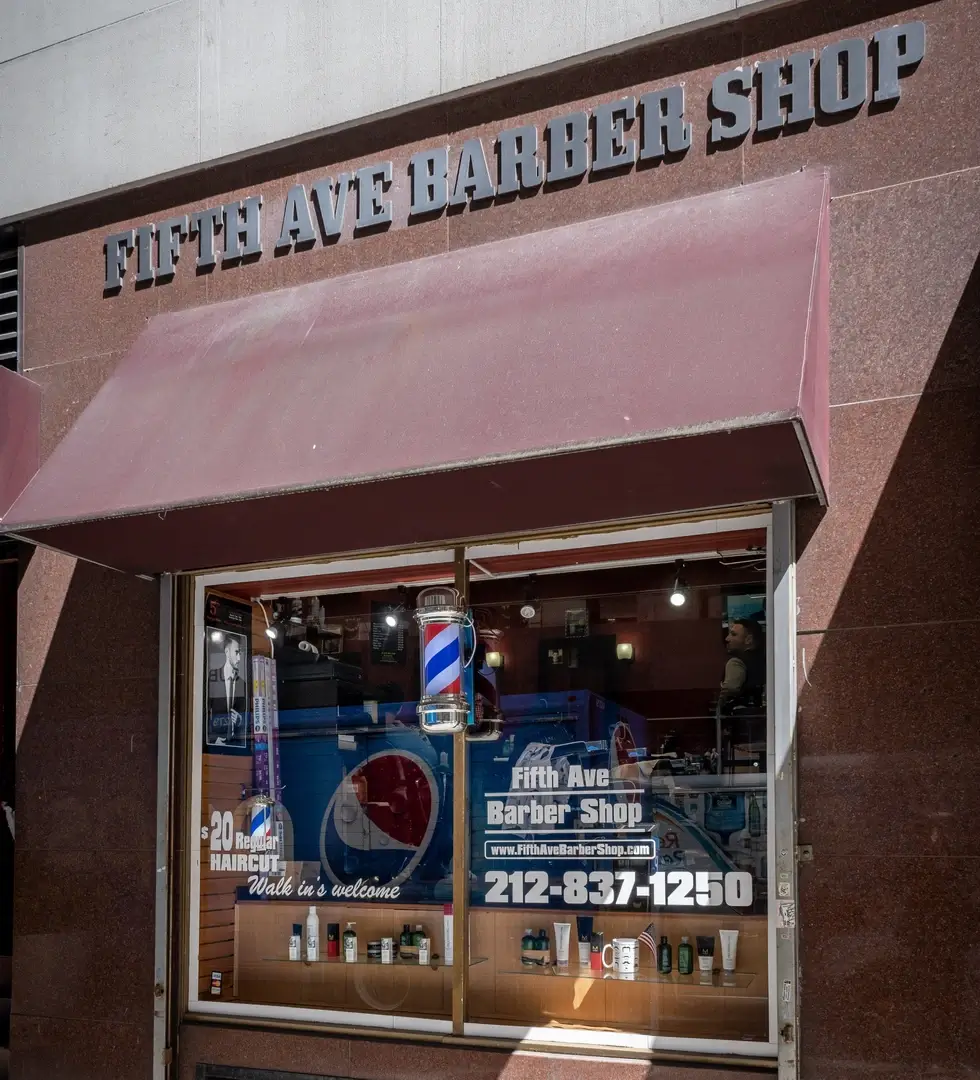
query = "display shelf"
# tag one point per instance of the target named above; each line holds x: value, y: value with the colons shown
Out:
x: 717, y: 978
x: 363, y: 958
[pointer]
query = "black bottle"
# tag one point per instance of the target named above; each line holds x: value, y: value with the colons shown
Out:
x: 665, y: 959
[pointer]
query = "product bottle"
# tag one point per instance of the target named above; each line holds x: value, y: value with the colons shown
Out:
x: 685, y: 958
x: 417, y: 936
x: 405, y: 939
x: 447, y: 934
x: 665, y: 957
x: 350, y: 944
x: 543, y: 945
x: 528, y: 946
x: 296, y: 942
x: 312, y: 935
x: 755, y: 817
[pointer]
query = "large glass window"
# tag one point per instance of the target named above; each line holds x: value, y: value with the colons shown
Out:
x: 618, y: 817
x: 327, y: 811
x: 617, y: 789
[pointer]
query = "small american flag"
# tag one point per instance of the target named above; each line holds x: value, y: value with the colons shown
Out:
x: 647, y: 939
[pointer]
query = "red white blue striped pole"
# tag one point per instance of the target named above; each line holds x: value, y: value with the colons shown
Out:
x: 441, y: 620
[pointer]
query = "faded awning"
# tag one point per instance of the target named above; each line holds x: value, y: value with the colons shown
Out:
x: 657, y: 361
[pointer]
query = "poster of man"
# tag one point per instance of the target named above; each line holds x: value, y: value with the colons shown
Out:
x: 229, y: 689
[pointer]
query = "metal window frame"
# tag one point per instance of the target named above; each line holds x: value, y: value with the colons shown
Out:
x: 182, y: 990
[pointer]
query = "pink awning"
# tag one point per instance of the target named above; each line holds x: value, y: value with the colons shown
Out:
x: 655, y: 361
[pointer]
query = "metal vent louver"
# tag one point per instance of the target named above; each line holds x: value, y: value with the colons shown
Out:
x: 10, y: 306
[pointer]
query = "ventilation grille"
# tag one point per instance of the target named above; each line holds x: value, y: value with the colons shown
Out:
x: 10, y: 307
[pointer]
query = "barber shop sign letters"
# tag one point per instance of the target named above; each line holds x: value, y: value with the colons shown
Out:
x: 769, y: 96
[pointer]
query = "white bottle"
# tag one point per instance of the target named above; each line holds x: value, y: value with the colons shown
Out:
x: 296, y: 942
x: 312, y: 935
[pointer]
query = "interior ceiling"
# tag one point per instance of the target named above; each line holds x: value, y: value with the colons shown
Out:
x: 727, y: 545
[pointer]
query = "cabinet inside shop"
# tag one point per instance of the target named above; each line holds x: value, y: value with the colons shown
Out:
x: 711, y: 1004
x: 265, y: 974
x: 503, y: 989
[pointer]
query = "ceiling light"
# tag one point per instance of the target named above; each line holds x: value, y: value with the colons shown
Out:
x: 529, y: 608
x: 624, y: 650
x: 678, y: 594
x: 495, y: 659
x: 391, y: 620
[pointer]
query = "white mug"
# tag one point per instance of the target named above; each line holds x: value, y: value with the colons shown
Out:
x: 624, y: 952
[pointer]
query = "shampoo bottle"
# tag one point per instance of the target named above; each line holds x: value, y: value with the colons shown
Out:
x: 527, y: 948
x: 350, y: 944
x: 296, y: 942
x: 665, y: 957
x: 312, y: 935
x: 685, y: 958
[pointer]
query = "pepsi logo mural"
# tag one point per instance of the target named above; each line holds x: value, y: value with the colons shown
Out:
x: 380, y: 821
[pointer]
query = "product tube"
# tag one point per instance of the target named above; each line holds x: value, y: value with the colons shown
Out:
x: 447, y: 934
x: 706, y: 953
x: 729, y: 944
x: 295, y: 942
x: 563, y: 931
x: 583, y: 927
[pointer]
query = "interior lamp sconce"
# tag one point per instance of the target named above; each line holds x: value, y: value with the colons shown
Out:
x: 624, y: 651
x: 495, y: 659
x: 678, y: 594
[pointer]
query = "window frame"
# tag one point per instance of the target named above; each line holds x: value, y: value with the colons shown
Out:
x: 780, y: 593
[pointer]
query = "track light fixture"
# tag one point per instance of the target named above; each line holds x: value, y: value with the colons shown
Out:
x: 678, y: 594
x: 528, y: 608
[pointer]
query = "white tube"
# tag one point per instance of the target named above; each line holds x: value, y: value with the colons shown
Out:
x: 729, y: 944
x: 563, y: 932
x: 447, y: 934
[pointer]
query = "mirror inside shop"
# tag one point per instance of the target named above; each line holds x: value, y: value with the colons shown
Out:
x: 617, y: 756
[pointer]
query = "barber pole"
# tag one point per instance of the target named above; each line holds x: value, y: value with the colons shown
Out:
x: 442, y: 622
x: 260, y: 833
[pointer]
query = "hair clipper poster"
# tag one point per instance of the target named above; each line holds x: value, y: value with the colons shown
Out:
x: 227, y: 644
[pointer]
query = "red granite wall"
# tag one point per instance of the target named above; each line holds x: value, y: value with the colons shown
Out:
x: 888, y: 577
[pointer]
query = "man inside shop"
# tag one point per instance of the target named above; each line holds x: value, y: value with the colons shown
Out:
x: 745, y: 670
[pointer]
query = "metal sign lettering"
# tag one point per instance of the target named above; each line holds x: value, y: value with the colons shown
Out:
x: 780, y: 94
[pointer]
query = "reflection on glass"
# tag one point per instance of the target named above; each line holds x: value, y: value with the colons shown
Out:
x: 625, y: 793
x: 327, y: 811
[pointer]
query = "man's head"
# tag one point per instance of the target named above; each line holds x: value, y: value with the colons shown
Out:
x: 233, y: 652
x: 743, y: 636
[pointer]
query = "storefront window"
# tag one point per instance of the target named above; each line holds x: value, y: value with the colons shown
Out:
x: 617, y: 774
x: 327, y: 812
x: 618, y: 817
